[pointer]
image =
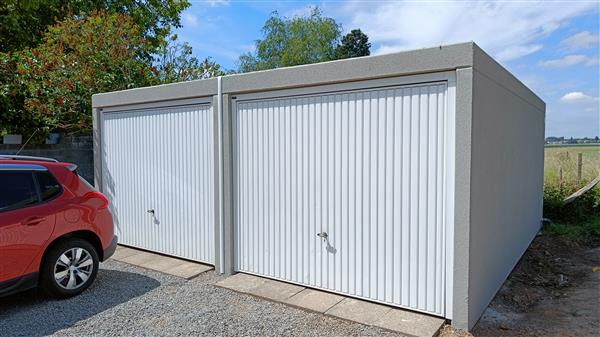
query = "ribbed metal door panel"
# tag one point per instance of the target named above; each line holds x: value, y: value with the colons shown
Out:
x: 162, y: 159
x: 369, y: 168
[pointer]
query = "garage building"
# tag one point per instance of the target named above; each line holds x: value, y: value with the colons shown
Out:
x: 411, y: 179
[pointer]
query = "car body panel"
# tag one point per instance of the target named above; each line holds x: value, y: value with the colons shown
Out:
x: 21, y: 242
x: 18, y: 284
x: 71, y: 213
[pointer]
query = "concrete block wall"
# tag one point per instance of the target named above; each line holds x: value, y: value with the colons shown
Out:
x: 71, y: 149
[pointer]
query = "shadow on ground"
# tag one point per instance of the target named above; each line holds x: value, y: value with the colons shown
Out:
x: 33, y: 314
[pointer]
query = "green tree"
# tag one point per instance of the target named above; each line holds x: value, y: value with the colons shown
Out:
x: 23, y: 23
x: 77, y: 58
x: 10, y: 97
x: 290, y: 42
x: 175, y: 63
x: 26, y: 24
x: 354, y: 44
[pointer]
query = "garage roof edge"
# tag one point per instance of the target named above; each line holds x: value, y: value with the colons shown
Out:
x: 492, y: 69
x: 157, y: 93
x: 428, y: 60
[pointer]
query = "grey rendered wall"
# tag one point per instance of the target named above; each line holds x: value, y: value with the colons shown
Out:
x: 507, y: 164
x: 462, y: 183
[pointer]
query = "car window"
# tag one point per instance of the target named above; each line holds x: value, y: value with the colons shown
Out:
x: 82, y: 179
x: 49, y: 187
x: 18, y: 190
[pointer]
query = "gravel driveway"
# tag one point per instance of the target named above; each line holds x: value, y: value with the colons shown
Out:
x: 131, y: 301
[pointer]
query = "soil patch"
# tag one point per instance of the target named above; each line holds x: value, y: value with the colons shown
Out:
x: 553, y: 291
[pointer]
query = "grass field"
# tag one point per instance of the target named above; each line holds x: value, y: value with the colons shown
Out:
x: 565, y: 157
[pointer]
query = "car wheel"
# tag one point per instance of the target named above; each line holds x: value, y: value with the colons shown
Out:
x: 69, y: 268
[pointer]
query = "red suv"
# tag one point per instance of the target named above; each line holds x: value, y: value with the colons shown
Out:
x: 54, y: 227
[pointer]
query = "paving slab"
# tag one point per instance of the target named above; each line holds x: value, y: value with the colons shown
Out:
x: 241, y: 282
x: 410, y: 323
x: 277, y: 291
x: 188, y: 269
x: 358, y: 311
x: 261, y: 287
x: 122, y: 252
x: 405, y: 322
x: 162, y: 263
x: 314, y: 300
x: 138, y: 259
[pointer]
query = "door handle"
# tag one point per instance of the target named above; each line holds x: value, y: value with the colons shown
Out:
x: 323, y: 235
x: 33, y: 221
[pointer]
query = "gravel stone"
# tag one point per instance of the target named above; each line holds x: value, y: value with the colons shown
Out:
x: 129, y: 301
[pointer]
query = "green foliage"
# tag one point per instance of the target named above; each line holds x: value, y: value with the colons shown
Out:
x: 553, y: 200
x: 11, y: 117
x: 354, y: 44
x: 29, y: 34
x: 76, y: 59
x: 579, y: 219
x: 175, y: 63
x: 23, y: 23
x: 290, y: 42
x: 154, y: 17
x: 588, y: 229
x: 582, y: 209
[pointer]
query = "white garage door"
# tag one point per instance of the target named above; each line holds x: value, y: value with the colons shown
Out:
x: 157, y: 171
x: 367, y: 169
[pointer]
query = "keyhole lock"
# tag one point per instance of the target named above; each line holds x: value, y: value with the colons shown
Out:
x: 323, y: 235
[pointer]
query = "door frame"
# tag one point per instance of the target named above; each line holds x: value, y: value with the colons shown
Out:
x: 113, y: 111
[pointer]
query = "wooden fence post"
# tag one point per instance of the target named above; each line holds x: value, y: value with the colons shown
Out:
x: 560, y: 177
x: 579, y: 167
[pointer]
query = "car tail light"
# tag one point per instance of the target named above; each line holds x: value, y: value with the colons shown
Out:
x: 99, y: 196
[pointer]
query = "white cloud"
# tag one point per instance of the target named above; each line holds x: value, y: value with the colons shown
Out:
x: 577, y: 96
x: 228, y: 50
x: 507, y: 30
x: 570, y: 60
x: 581, y: 40
x: 216, y: 3
x: 514, y: 52
x: 190, y: 20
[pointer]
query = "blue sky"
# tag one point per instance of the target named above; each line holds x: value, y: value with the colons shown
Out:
x: 553, y: 47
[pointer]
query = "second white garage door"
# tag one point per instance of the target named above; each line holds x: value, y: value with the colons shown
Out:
x: 158, y: 172
x: 348, y: 191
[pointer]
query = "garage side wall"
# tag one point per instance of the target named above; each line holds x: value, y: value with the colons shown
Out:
x: 507, y: 158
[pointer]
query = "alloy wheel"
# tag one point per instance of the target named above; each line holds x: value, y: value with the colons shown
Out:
x: 73, y: 268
